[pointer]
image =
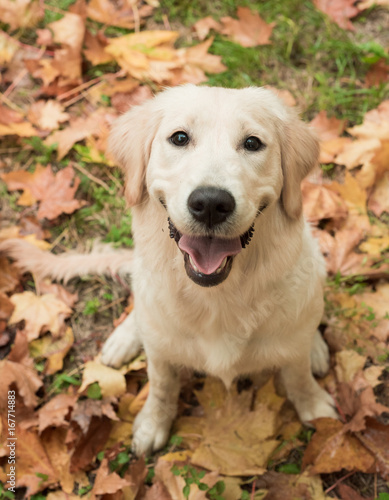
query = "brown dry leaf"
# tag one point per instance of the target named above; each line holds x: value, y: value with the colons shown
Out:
x: 24, y: 129
x: 122, y: 102
x: 321, y: 203
x: 6, y: 307
x: 19, y: 352
x: 88, y: 409
x: 20, y: 13
x: 26, y: 380
x: 78, y: 130
x: 327, y: 128
x: 377, y: 74
x: 119, y: 13
x: 234, y: 440
x: 358, y: 153
x: 107, y: 482
x: 41, y: 313
x: 111, y: 381
x: 375, y: 437
x: 340, y: 11
x: 279, y: 486
x: 348, y: 364
x: 365, y: 405
x: 8, y: 115
x: 147, y: 55
x: 47, y: 115
x: 32, y: 459
x: 69, y: 33
x: 8, y: 48
x: 375, y: 124
x: 59, y: 291
x: 43, y: 69
x: 331, y: 450
x: 54, y: 413
x: 379, y: 198
x: 283, y: 94
x: 94, y: 48
x: 348, y: 493
x: 251, y: 30
x: 199, y: 61
x: 54, y: 444
x: 56, y: 192
x: 54, y: 350
x: 205, y: 25
x: 9, y: 276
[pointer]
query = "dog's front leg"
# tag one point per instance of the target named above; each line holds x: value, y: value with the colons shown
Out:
x: 309, y: 399
x: 123, y: 344
x: 152, y: 425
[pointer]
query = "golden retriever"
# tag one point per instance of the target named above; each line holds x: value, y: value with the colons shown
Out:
x: 227, y: 277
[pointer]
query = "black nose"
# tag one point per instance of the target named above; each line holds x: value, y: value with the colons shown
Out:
x: 211, y: 205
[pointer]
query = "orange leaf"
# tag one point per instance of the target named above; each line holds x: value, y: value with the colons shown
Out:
x: 25, y: 379
x: 251, y: 30
x: 107, y: 482
x: 340, y: 11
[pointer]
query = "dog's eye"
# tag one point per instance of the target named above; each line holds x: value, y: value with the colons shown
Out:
x: 179, y: 139
x: 253, y: 144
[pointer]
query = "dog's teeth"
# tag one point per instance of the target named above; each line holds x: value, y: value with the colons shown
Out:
x: 193, y: 264
x: 223, y: 264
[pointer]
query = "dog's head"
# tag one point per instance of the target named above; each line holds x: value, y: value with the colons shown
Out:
x: 214, y: 159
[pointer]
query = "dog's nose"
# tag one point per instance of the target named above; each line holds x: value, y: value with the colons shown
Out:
x: 211, y: 205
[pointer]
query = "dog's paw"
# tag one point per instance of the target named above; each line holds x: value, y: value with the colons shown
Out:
x: 121, y: 346
x: 149, y: 432
x: 319, y: 405
x: 320, y: 356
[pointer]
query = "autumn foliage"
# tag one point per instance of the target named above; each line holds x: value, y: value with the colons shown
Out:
x: 74, y: 425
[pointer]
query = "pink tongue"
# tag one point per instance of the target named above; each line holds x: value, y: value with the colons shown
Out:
x: 208, y: 253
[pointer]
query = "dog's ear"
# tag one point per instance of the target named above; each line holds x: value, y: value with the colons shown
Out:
x: 130, y: 144
x: 299, y: 154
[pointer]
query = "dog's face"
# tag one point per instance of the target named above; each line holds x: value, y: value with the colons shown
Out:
x: 214, y: 159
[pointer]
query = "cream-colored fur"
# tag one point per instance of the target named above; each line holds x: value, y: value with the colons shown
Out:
x: 264, y: 316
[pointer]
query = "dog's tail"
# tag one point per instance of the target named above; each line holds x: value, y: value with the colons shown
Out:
x: 103, y: 259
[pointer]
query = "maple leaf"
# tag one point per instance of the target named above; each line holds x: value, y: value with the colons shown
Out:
x: 321, y: 203
x: 107, y: 482
x: 9, y: 276
x: 8, y: 48
x: 375, y: 438
x: 47, y: 115
x: 327, y: 128
x: 55, y: 412
x: 23, y: 129
x: 117, y: 13
x: 79, y: 129
x: 233, y: 441
x: 41, y: 313
x: 25, y: 379
x: 331, y: 449
x: 111, y: 381
x: 279, y: 486
x: 340, y: 11
x: 55, y: 192
x: 283, y: 94
x: 94, y: 48
x: 123, y: 101
x: 20, y: 13
x: 251, y: 30
x: 53, y: 350
x: 203, y: 27
x: 375, y: 124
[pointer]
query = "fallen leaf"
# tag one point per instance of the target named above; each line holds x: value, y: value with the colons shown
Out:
x: 41, y: 313
x: 233, y: 440
x: 9, y: 276
x: 20, y: 13
x: 78, y: 130
x: 55, y: 192
x: 111, y: 381
x: 379, y: 198
x: 8, y: 48
x: 107, y: 482
x: 88, y: 409
x: 358, y: 153
x: 283, y: 94
x: 375, y: 124
x: 279, y: 486
x: 250, y: 30
x: 331, y: 450
x: 348, y: 363
x: 327, y: 128
x: 53, y: 350
x: 26, y: 380
x: 54, y: 413
x: 45, y: 286
x: 377, y: 74
x: 375, y: 437
x: 348, y: 493
x: 321, y: 203
x: 122, y: 102
x: 94, y: 48
x: 203, y: 27
x: 117, y: 13
x: 23, y: 129
x: 47, y: 115
x: 340, y: 11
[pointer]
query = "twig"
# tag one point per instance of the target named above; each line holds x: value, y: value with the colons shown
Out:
x: 15, y: 83
x: 59, y: 237
x: 11, y: 105
x: 253, y: 491
x: 340, y: 480
x: 111, y: 304
x: 26, y: 46
x: 166, y: 23
x: 92, y: 177
x: 85, y: 85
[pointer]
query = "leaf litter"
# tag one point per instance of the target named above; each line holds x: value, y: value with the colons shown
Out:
x: 74, y: 426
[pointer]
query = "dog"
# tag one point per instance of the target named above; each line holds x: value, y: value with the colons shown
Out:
x: 226, y: 275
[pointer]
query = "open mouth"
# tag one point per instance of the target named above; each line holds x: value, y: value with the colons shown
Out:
x: 208, y: 259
